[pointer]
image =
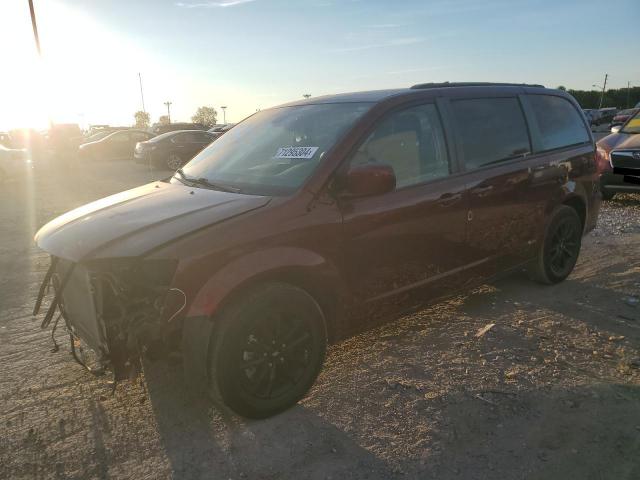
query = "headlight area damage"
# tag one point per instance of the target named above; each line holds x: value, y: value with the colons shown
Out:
x: 118, y: 308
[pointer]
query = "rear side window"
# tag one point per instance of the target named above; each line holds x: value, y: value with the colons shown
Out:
x: 491, y: 130
x: 558, y: 122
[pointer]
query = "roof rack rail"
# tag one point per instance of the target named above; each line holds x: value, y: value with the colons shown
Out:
x: 473, y: 84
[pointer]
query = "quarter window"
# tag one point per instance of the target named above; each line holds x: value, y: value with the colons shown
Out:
x: 558, y: 122
x: 491, y: 130
x: 411, y: 142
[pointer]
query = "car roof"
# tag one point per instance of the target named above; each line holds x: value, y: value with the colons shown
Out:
x: 375, y: 96
x: 175, y: 132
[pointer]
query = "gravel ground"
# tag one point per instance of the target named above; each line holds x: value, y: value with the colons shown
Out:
x: 551, y: 391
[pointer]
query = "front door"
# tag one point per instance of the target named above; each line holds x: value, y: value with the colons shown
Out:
x: 411, y: 239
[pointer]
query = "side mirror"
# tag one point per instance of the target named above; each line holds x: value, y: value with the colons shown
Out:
x: 616, y: 128
x: 368, y: 179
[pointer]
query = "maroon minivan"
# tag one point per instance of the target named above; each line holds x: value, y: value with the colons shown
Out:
x: 313, y: 220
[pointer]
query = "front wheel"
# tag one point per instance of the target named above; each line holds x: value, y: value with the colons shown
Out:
x: 267, y: 349
x: 560, y: 247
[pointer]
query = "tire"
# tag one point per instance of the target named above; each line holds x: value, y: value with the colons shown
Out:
x: 607, y: 194
x: 174, y: 161
x: 266, y: 350
x: 560, y: 247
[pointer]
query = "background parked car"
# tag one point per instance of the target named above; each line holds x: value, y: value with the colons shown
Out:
x: 13, y: 162
x: 623, y: 116
x: 173, y: 149
x: 115, y: 146
x: 604, y: 116
x: 5, y: 139
x: 222, y: 127
x: 29, y: 139
x: 64, y: 139
x: 159, y: 129
x: 619, y: 155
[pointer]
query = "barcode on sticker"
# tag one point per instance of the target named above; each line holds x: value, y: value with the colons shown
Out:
x: 296, y: 152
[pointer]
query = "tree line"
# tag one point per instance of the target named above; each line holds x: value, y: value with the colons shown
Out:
x: 204, y: 115
x: 618, y: 97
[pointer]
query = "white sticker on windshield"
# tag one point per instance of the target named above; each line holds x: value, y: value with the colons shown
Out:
x: 296, y: 152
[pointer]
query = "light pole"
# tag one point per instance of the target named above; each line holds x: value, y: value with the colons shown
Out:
x: 606, y: 76
x: 224, y: 114
x: 141, y: 94
x: 168, y: 104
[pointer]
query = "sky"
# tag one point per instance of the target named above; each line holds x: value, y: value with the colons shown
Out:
x: 253, y: 54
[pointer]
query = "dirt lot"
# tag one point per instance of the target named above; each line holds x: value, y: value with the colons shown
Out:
x: 552, y: 391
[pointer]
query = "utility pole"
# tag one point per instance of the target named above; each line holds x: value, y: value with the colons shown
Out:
x: 35, y: 27
x: 224, y: 114
x: 168, y: 104
x: 606, y: 75
x: 141, y: 94
x: 628, y: 92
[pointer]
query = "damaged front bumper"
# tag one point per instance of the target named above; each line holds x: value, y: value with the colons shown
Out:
x: 118, y: 308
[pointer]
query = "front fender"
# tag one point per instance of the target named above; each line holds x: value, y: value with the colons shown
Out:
x: 256, y: 265
x: 305, y: 265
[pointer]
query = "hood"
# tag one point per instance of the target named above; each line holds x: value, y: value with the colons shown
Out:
x: 621, y: 141
x: 133, y: 222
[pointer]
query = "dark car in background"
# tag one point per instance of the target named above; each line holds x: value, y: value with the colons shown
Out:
x: 160, y: 128
x: 64, y: 139
x: 114, y: 146
x: 312, y: 220
x: 173, y: 149
x: 619, y: 154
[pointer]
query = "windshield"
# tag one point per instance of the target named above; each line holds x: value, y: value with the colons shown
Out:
x: 274, y: 151
x: 98, y: 136
x: 632, y: 125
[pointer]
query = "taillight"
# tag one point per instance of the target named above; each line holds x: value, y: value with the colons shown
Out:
x: 603, y: 160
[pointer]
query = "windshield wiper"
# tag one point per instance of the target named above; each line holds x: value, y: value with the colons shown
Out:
x: 203, y: 182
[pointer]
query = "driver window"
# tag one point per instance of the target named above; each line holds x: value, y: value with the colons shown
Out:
x: 412, y: 142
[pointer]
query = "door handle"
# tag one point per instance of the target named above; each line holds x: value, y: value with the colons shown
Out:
x: 447, y: 199
x: 482, y: 191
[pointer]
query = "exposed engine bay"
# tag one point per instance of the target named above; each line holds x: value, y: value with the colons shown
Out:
x: 114, y: 310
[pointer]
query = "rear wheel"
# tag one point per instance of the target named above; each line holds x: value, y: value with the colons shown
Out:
x: 560, y: 248
x: 174, y: 161
x: 267, y: 349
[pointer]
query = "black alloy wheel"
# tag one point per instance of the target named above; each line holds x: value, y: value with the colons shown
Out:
x: 564, y: 247
x: 267, y: 349
x: 560, y: 247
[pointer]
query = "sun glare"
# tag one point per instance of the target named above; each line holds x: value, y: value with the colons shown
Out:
x: 86, y: 73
